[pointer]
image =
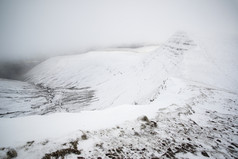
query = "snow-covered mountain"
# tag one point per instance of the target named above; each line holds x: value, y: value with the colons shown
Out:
x: 187, y: 87
x: 103, y: 79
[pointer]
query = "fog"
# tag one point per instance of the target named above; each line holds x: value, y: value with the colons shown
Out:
x: 32, y: 28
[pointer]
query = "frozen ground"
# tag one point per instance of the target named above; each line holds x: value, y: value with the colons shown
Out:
x: 175, y: 100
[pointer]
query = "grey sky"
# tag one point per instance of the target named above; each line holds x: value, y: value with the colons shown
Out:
x: 31, y: 27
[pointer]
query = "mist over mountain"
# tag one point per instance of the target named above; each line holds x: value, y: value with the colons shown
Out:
x: 32, y: 28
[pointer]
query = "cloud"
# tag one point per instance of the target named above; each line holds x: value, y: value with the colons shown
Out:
x: 36, y: 27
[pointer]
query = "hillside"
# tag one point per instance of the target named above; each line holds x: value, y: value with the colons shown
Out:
x: 178, y: 99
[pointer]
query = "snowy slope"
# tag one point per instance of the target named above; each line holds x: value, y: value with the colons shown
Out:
x: 187, y: 87
x: 213, y: 62
x: 188, y: 120
x: 116, y: 77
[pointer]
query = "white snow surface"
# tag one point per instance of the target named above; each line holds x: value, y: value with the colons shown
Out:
x: 56, y: 125
x: 182, y: 81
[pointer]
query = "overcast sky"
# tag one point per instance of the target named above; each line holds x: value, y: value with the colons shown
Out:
x: 31, y: 27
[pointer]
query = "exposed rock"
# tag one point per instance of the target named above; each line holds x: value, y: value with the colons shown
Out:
x: 204, y: 153
x: 11, y: 153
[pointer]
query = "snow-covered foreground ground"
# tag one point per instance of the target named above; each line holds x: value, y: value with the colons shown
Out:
x: 175, y: 100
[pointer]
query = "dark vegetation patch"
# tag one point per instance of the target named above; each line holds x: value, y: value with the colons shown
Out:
x: 61, y: 153
x: 183, y: 148
x: 74, y: 144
